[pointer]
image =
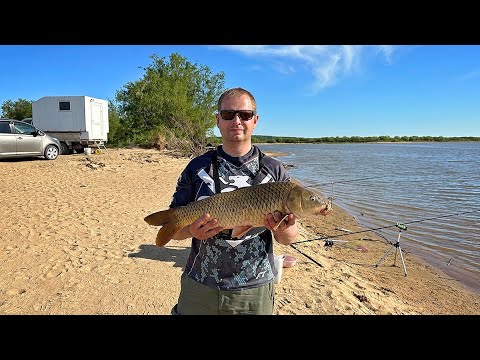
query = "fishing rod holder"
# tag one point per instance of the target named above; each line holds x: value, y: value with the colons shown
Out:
x: 397, y: 248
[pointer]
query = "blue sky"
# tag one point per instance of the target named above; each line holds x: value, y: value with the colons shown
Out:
x: 306, y: 91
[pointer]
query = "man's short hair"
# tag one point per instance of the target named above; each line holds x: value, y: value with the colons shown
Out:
x: 236, y: 92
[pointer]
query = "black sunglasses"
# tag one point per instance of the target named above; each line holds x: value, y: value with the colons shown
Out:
x: 242, y: 114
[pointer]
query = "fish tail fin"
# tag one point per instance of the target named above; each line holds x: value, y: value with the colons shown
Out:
x: 159, y: 218
x: 165, y: 234
x: 166, y: 219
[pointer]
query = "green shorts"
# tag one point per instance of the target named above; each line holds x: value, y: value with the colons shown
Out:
x: 198, y: 299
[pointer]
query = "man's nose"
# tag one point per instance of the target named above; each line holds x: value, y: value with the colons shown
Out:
x: 236, y: 118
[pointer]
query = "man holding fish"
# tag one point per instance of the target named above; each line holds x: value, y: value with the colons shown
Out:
x: 230, y: 269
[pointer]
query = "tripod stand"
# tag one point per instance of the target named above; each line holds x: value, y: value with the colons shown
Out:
x: 397, y: 248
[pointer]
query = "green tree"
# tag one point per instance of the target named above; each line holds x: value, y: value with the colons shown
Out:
x: 173, y: 103
x: 116, y: 130
x: 18, y: 110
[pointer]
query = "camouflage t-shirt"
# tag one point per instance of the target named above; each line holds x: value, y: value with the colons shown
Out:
x: 221, y: 262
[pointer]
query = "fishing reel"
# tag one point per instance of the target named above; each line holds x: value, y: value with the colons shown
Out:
x: 328, y: 243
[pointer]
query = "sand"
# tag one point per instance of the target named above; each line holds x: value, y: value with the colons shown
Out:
x: 74, y: 241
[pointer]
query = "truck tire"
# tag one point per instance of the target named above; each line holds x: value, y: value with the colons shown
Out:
x: 64, y: 149
x: 51, y: 152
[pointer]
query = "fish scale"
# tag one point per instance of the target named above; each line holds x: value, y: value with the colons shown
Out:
x: 247, y: 206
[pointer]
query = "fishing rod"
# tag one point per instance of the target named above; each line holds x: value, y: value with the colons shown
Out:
x: 328, y: 243
x: 384, y: 227
x: 301, y: 252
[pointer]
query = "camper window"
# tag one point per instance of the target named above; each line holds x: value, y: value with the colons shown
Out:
x: 64, y: 105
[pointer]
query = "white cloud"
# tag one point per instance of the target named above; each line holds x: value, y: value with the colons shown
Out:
x: 387, y: 50
x: 327, y: 63
x: 283, y: 68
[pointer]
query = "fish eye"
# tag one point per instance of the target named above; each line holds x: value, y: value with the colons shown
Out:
x: 313, y: 198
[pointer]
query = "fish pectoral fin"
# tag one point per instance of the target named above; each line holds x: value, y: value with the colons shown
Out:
x: 278, y: 224
x: 239, y: 231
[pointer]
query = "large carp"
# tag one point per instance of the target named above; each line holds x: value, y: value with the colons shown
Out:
x: 247, y: 206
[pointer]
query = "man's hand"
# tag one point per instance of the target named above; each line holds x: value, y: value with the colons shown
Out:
x: 205, y: 227
x: 284, y: 231
x: 272, y: 221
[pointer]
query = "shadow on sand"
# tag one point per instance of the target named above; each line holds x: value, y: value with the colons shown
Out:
x: 178, y: 255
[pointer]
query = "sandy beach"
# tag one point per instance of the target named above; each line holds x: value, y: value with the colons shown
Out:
x: 73, y: 241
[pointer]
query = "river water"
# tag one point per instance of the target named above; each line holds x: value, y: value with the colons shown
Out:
x: 432, y: 188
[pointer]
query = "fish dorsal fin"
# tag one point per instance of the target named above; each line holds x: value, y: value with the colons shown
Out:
x: 296, y: 182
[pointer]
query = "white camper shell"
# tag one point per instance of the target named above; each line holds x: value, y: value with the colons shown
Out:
x: 77, y: 121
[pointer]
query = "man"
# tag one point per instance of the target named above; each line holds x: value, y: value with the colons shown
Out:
x: 225, y: 275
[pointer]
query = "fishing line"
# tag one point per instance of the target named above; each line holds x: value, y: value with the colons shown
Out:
x: 385, y: 227
x: 351, y: 180
x: 378, y: 233
x: 345, y: 181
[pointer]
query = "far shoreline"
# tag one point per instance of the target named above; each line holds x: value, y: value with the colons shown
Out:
x: 365, y: 142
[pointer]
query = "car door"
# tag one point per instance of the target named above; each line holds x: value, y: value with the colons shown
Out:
x: 28, y: 140
x: 8, y: 140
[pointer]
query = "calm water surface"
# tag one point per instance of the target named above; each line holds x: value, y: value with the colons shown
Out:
x: 410, y: 184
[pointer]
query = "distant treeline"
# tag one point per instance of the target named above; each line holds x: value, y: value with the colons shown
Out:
x: 354, y: 139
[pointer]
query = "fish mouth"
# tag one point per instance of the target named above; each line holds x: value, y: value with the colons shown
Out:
x: 324, y: 209
x: 320, y: 210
